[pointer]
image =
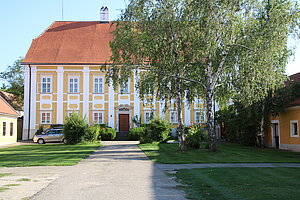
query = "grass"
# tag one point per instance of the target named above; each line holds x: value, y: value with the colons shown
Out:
x: 2, y: 189
x: 4, y: 174
x: 24, y: 179
x: 227, y: 153
x: 45, y: 155
x: 11, y: 185
x: 241, y: 183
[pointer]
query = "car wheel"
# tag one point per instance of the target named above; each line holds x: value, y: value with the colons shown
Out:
x: 65, y: 141
x: 40, y: 141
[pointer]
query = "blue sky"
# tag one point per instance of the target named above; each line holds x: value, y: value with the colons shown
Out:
x: 23, y: 20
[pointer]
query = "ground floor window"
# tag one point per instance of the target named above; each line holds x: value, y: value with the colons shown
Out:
x: 294, y: 128
x: 46, y: 118
x: 4, y: 128
x: 173, y: 117
x: 148, y: 116
x: 98, y: 117
x: 199, y: 117
x: 71, y: 112
x: 11, y: 129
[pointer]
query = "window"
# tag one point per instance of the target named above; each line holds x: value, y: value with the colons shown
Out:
x: 46, y: 85
x: 199, y: 117
x: 98, y: 85
x: 4, y: 128
x: 148, y: 116
x: 73, y: 85
x: 124, y: 88
x: 98, y: 117
x: 46, y: 118
x: 11, y: 129
x: 173, y: 117
x: 294, y: 128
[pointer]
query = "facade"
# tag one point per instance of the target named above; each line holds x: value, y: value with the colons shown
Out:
x: 8, y: 123
x: 65, y: 73
x: 283, y: 133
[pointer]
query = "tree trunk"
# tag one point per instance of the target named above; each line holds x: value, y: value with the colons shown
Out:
x: 181, y: 134
x: 210, y: 119
x: 262, y: 133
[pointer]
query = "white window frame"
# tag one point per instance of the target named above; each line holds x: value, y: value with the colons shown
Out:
x: 50, y: 118
x: 127, y: 86
x: 292, y: 128
x: 202, y: 117
x: 175, y: 117
x: 98, y: 89
x: 98, y: 121
x: 48, y: 84
x: 147, y: 119
x: 197, y: 120
x: 73, y: 84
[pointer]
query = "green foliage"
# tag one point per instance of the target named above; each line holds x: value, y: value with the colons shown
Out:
x: 136, y: 133
x: 108, y: 133
x: 195, y: 136
x: 242, y: 122
x: 74, y: 129
x: 156, y: 131
x: 14, y: 75
x: 92, y: 133
x: 40, y: 130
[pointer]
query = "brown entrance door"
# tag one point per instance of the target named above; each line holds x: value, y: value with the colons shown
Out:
x: 123, y: 122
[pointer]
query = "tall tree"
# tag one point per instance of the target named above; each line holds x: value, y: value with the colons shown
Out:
x: 239, y: 48
x: 150, y: 38
x: 14, y: 76
x: 230, y: 49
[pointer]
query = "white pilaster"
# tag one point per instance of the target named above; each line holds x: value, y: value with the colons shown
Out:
x: 60, y: 86
x: 111, y: 109
x: 86, y: 92
x: 26, y: 103
x: 136, y: 96
x: 187, y: 113
x: 33, y: 101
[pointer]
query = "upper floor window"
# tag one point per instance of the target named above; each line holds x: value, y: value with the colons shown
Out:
x: 46, y: 118
x: 98, y: 85
x: 98, y: 117
x: 73, y: 85
x: 4, y: 128
x: 294, y: 128
x: 46, y: 85
x: 173, y: 117
x: 124, y: 88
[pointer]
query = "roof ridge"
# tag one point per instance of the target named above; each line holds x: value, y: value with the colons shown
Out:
x: 9, y: 105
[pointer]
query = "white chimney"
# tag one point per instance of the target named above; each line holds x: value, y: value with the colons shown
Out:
x: 104, y: 15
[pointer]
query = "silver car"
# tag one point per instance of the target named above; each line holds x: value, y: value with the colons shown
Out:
x: 50, y: 135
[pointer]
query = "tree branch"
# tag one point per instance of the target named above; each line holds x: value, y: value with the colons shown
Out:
x: 243, y: 46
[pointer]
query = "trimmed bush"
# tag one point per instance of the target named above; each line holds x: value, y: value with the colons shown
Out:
x: 157, y: 131
x: 136, y: 133
x: 195, y: 136
x: 40, y: 130
x: 92, y: 133
x: 108, y: 133
x: 74, y: 129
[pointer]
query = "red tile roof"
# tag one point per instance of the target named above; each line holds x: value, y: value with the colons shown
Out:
x: 72, y: 43
x: 5, y: 108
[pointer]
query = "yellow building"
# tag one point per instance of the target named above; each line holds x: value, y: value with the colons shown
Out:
x: 283, y: 133
x: 8, y: 123
x: 64, y: 74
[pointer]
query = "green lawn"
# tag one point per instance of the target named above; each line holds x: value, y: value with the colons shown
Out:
x: 45, y: 155
x: 241, y: 183
x: 227, y: 153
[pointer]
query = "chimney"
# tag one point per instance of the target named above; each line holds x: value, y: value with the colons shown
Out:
x: 104, y: 15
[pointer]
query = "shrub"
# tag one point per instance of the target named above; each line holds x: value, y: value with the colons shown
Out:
x: 39, y: 131
x: 108, y: 133
x: 157, y: 131
x: 74, y: 129
x: 195, y: 136
x: 92, y: 133
x: 136, y: 133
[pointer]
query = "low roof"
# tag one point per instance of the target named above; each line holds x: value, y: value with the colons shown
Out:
x: 5, y: 108
x: 69, y: 42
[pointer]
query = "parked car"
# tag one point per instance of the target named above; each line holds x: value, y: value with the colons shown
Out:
x: 50, y: 135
